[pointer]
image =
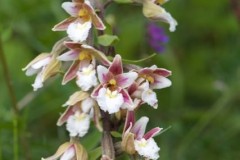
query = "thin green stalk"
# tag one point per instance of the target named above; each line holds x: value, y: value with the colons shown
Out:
x: 13, y: 100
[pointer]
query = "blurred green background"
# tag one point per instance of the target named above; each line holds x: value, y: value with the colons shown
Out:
x: 202, y: 105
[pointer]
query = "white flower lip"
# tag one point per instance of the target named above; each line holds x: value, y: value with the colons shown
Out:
x: 78, y: 124
x: 147, y: 148
x: 78, y: 32
x: 110, y: 101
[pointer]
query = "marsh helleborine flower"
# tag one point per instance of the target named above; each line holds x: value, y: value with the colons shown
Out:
x: 81, y: 20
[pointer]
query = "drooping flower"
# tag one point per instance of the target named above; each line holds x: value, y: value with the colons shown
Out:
x: 111, y: 94
x: 152, y: 9
x: 81, y: 108
x: 83, y: 67
x: 44, y: 65
x: 156, y: 37
x: 69, y: 151
x: 81, y: 20
x: 134, y: 139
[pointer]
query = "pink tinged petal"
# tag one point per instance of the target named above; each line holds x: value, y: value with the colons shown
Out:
x: 62, y: 26
x: 126, y: 79
x: 132, y: 88
x: 102, y: 74
x: 71, y: 73
x: 71, y: 8
x: 153, y: 132
x: 130, y: 120
x: 116, y: 66
x: 97, y: 22
x: 72, y: 45
x: 140, y: 127
x: 69, y: 154
x: 96, y: 91
x: 160, y: 82
x: 163, y: 72
x: 69, y: 56
x: 59, y: 152
x: 64, y: 117
x: 127, y: 99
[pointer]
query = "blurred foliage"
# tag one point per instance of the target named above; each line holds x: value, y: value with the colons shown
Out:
x: 202, y: 105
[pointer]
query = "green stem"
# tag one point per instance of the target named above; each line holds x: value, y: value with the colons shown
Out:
x: 13, y: 100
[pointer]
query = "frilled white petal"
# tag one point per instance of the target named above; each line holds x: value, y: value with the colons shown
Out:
x: 150, y: 98
x: 87, y: 78
x: 110, y: 101
x: 78, y: 32
x: 68, y: 154
x: 147, y: 148
x: 78, y: 124
x: 38, y: 83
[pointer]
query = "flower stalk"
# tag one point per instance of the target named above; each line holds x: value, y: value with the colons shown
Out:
x: 109, y: 91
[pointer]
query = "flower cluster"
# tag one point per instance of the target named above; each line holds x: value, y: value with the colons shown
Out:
x: 105, y: 86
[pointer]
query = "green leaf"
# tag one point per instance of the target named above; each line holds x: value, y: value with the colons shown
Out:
x: 116, y: 134
x: 107, y: 40
x: 94, y: 154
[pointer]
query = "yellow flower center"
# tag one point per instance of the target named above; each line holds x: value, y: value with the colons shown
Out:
x: 111, y: 94
x: 80, y: 116
x: 160, y: 2
x: 84, y: 55
x: 84, y: 14
x: 150, y: 79
x: 142, y: 143
x: 112, y: 82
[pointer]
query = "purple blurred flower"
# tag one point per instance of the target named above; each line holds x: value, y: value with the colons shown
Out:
x: 156, y: 37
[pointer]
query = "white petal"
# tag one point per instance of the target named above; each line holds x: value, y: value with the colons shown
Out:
x: 147, y: 148
x: 41, y: 63
x: 79, y: 32
x: 68, y: 56
x: 31, y: 71
x: 87, y: 105
x: 70, y: 8
x: 38, y: 83
x: 86, y: 78
x: 68, y: 154
x: 162, y: 82
x: 78, y: 124
x: 150, y: 98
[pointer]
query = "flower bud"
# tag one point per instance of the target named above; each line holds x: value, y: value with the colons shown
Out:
x: 128, y: 143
